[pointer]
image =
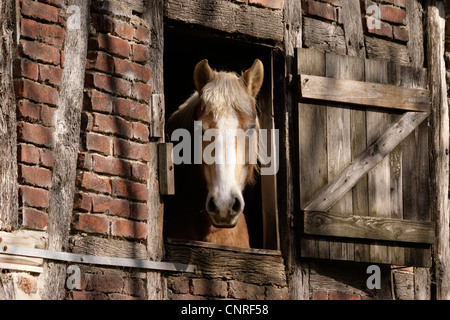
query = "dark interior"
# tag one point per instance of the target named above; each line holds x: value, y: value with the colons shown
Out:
x: 183, y: 49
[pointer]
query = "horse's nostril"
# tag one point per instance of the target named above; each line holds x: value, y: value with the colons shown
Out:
x: 237, y: 205
x: 211, y: 206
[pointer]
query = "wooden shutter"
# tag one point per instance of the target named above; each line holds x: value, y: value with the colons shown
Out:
x: 363, y: 144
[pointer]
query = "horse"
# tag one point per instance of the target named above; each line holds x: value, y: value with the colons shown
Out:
x: 208, y: 203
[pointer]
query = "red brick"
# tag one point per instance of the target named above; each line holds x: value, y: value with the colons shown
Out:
x: 178, y: 284
x: 35, y: 134
x: 28, y: 110
x: 138, y: 211
x: 98, y: 101
x: 47, y: 115
x: 36, y: 176
x: 98, y: 142
x: 91, y: 223
x: 110, y: 206
x: 101, y: 61
x: 140, y: 53
x: 343, y: 296
x: 50, y: 74
x: 131, y: 109
x: 392, y: 14
x: 107, y: 24
x: 51, y: 34
x: 29, y: 28
x: 34, y: 197
x: 90, y: 181
x: 39, y: 10
x: 128, y: 229
x: 141, y: 34
x: 131, y: 71
x: 212, y: 288
x: 130, y: 150
x: 141, y: 132
x: 108, y: 83
x: 33, y: 219
x: 112, y: 124
x: 57, y: 3
x: 47, y: 157
x: 141, y: 91
x: 105, y: 283
x: 134, y: 287
x: 112, y: 166
x: 336, y: 3
x: 37, y: 92
x: 320, y: 295
x: 241, y: 290
x: 401, y: 33
x: 320, y: 9
x: 40, y: 52
x: 111, y: 44
x: 129, y: 189
x: 273, y: 4
x: 140, y: 171
x: 83, y: 202
x: 26, y: 68
x: 385, y: 30
x: 274, y: 293
x: 28, y: 153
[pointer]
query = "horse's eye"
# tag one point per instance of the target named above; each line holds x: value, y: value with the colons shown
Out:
x: 251, y: 129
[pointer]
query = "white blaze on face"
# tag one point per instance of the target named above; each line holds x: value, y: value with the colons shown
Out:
x: 225, y: 188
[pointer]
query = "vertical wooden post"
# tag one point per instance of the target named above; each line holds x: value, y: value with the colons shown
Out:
x: 297, y: 273
x: 154, y: 15
x: 67, y: 136
x: 8, y: 123
x: 439, y: 147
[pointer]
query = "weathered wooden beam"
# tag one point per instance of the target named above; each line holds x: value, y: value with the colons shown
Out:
x: 354, y: 35
x: 348, y: 177
x: 365, y: 227
x: 67, y: 141
x: 324, y: 36
x: 439, y: 146
x: 166, y: 169
x: 229, y: 17
x: 364, y: 93
x: 154, y: 15
x: 8, y: 124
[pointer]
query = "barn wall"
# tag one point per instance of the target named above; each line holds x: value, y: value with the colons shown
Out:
x: 324, y: 28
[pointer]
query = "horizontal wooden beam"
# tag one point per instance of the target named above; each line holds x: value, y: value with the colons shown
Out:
x: 364, y: 93
x: 228, y: 16
x: 364, y: 227
x: 349, y: 176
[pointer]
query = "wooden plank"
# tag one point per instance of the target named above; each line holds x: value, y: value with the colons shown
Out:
x: 154, y: 15
x: 364, y: 93
x: 375, y: 153
x: 354, y: 36
x: 313, y: 162
x: 27, y: 239
x: 67, y: 141
x: 230, y: 17
x: 258, y: 268
x: 339, y: 146
x: 8, y: 123
x: 325, y: 36
x: 387, y: 50
x: 414, y: 24
x: 373, y: 228
x: 439, y: 146
x: 166, y: 169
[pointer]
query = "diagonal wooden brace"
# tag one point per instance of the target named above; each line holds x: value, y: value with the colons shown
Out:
x: 368, y: 159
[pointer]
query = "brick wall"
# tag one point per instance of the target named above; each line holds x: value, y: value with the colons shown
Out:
x: 112, y: 162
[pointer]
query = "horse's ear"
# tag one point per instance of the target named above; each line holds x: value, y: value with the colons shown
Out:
x: 202, y: 75
x: 254, y: 77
